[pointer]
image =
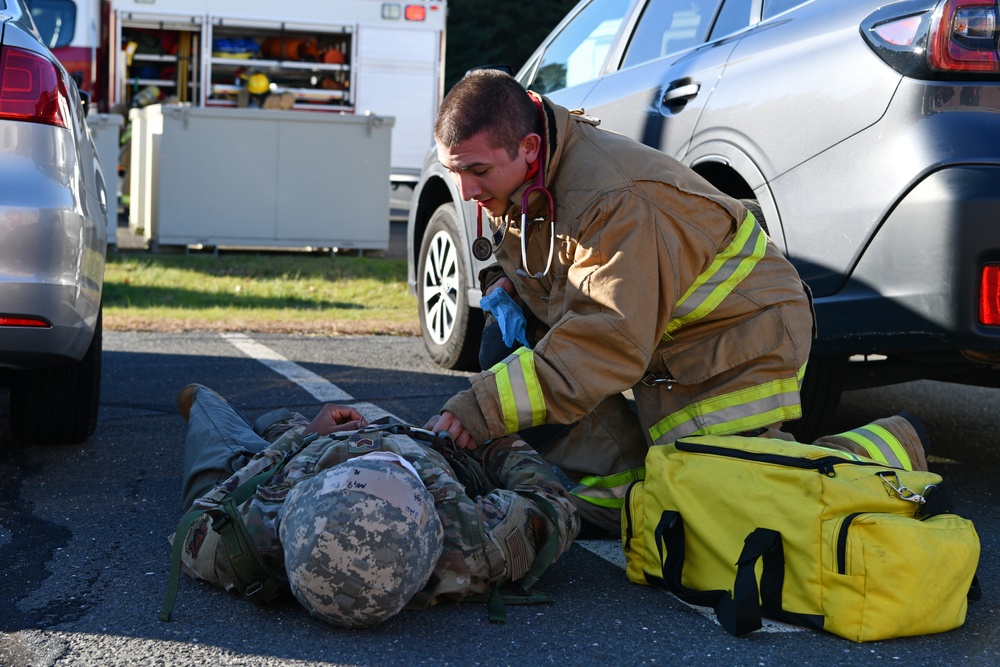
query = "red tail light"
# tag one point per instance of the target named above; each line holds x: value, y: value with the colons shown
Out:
x: 989, y: 295
x: 12, y: 321
x: 31, y: 89
x: 964, y: 37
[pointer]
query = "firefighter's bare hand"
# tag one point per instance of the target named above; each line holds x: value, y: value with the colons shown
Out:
x: 332, y: 418
x: 506, y: 285
x: 446, y: 421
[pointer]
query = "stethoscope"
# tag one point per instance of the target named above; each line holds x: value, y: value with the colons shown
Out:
x: 482, y: 248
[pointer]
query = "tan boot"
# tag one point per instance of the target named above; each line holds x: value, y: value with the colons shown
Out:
x: 185, y: 399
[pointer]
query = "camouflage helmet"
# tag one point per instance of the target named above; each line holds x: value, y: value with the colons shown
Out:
x: 360, y: 540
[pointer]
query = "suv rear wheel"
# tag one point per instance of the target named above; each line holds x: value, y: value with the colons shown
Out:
x: 451, y: 328
x: 60, y: 404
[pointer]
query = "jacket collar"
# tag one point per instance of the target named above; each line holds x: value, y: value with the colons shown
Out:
x: 556, y: 121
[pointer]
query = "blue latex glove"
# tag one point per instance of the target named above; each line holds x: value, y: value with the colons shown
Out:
x: 508, y: 315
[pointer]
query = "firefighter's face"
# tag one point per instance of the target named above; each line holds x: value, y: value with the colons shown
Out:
x: 488, y: 175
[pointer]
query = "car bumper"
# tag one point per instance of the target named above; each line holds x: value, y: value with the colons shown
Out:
x: 916, y: 287
x: 53, y: 239
x: 67, y: 337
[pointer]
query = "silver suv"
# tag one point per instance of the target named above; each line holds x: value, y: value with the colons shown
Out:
x: 867, y: 134
x: 53, y: 239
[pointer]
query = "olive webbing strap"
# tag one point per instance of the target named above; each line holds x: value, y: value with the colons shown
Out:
x: 468, y: 469
x: 253, y: 581
x: 519, y: 592
x: 175, y: 563
x: 235, y: 498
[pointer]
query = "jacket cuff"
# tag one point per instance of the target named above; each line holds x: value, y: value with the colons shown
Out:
x: 490, y: 275
x: 464, y: 406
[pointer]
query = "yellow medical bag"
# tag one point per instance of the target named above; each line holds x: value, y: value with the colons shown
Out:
x: 800, y: 534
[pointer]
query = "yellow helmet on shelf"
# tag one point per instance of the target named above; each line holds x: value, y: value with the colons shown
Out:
x: 258, y: 83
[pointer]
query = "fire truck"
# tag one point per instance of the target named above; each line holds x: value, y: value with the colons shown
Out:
x: 325, y: 56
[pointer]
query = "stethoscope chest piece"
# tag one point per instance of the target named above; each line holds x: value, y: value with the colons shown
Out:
x: 482, y: 249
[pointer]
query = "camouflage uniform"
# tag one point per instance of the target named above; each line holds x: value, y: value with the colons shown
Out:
x: 491, y: 538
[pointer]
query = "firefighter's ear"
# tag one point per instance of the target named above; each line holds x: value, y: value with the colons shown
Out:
x: 530, y: 145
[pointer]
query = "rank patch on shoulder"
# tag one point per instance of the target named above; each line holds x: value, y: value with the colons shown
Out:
x: 363, y: 445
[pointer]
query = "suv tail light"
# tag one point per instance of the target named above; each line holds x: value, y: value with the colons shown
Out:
x: 943, y: 39
x: 31, y: 89
x: 964, y: 37
x: 14, y: 321
x: 989, y: 295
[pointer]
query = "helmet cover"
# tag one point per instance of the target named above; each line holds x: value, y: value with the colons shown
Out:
x: 360, y: 540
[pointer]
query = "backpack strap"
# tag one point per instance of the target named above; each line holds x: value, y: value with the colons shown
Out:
x: 251, y: 577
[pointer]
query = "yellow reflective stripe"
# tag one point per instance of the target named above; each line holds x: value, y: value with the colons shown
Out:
x: 728, y: 269
x: 521, y: 401
x: 623, y: 478
x: 609, y: 490
x: 839, y: 452
x: 508, y: 406
x: 881, y: 445
x: 737, y: 411
x: 613, y: 503
x: 873, y: 452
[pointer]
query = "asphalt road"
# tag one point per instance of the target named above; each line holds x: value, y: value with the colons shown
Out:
x: 85, y: 557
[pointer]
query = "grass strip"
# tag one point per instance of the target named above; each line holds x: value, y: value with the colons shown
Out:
x: 258, y: 292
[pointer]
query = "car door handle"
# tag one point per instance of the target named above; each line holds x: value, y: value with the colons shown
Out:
x: 680, y: 94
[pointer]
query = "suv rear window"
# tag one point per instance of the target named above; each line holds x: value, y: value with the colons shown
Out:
x: 55, y: 20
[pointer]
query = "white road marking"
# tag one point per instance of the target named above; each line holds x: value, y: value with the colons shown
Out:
x: 318, y: 387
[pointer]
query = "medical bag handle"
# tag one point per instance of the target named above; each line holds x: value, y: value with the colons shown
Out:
x: 740, y: 612
x: 736, y: 616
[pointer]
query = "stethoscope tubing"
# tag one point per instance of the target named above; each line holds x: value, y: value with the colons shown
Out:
x: 482, y: 248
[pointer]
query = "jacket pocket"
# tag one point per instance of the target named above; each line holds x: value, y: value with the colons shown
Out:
x: 746, y: 340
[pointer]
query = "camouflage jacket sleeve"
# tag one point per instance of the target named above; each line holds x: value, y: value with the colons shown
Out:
x: 494, y: 537
x: 202, y: 556
x: 513, y: 517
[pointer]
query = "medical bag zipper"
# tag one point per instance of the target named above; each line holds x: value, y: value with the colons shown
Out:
x: 842, y: 541
x: 824, y: 465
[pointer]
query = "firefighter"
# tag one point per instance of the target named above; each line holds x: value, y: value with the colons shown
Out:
x: 632, y: 272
